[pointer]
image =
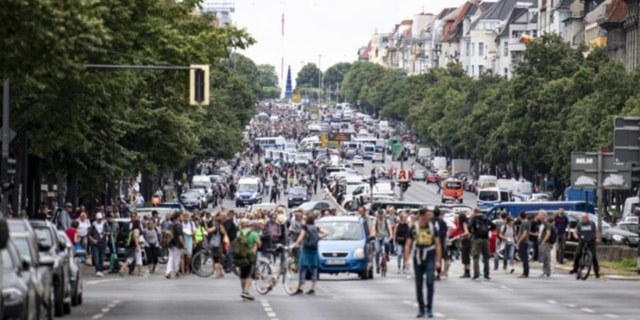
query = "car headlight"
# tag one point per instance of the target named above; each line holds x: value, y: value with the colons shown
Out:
x: 358, y: 253
x: 11, y: 295
x: 618, y: 238
x: 290, y: 199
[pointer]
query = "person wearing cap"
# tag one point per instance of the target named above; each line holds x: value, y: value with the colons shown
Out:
x: 64, y: 219
x: 98, y: 235
x: 423, y: 240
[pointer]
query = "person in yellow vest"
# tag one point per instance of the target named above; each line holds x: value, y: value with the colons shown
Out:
x: 422, y: 239
x: 199, y: 235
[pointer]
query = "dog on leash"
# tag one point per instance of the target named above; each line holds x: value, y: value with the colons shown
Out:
x: 383, y: 264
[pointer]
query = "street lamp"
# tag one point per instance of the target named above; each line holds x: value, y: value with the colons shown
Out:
x: 320, y: 77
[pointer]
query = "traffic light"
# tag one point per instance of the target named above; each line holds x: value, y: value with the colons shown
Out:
x: 199, y: 85
x: 404, y: 185
x: 372, y: 181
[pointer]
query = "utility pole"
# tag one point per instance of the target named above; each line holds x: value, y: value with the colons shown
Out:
x: 401, y: 168
x: 599, y: 192
x: 6, y: 139
x: 320, y: 77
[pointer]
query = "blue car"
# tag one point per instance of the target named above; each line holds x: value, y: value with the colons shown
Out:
x: 347, y: 248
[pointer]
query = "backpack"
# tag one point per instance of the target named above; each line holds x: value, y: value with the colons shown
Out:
x: 554, y: 235
x: 167, y: 238
x: 480, y: 227
x: 129, y: 243
x: 312, y: 238
x: 242, y: 254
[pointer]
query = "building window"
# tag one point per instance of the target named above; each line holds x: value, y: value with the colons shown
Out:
x: 481, y: 49
x: 466, y: 69
x: 473, y: 49
x: 506, y: 72
x: 506, y: 48
x: 468, y: 48
x: 480, y: 70
x: 473, y: 71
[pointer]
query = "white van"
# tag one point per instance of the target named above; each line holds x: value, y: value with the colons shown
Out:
x: 486, y: 182
x: 248, y: 192
x: 202, y: 181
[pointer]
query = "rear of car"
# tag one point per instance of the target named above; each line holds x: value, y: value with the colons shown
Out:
x: 346, y: 249
x: 452, y: 190
x: 297, y: 196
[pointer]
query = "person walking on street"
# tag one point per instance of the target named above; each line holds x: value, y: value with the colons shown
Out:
x: 561, y: 222
x: 508, y: 236
x: 309, y: 260
x: 424, y: 241
x: 175, y: 246
x: 465, y: 243
x: 400, y: 232
x: 480, y: 227
x: 544, y: 247
x: 443, y: 231
x: 383, y: 234
x: 98, y: 235
x: 522, y: 243
x: 245, y: 248
x: 500, y: 244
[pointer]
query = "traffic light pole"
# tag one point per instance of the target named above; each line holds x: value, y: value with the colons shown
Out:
x: 401, y: 168
x: 4, y: 174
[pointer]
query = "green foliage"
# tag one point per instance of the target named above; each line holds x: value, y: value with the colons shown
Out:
x: 561, y: 100
x: 308, y: 76
x: 105, y: 125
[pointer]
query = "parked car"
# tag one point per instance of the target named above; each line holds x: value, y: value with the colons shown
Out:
x: 610, y: 234
x: 631, y: 227
x: 76, y: 275
x: 192, y: 199
x: 40, y: 275
x: 297, y: 196
x: 377, y: 157
x: 346, y: 249
x: 433, y: 177
x: 53, y: 254
x: 19, y: 296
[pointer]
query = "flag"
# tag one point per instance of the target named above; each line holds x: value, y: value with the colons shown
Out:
x: 525, y: 38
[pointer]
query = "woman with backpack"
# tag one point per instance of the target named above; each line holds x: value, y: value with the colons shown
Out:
x: 507, y: 234
x: 132, y: 244
x: 465, y: 240
x: 309, y: 260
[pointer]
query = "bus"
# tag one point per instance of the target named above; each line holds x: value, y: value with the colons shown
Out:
x: 513, y: 209
x: 272, y: 142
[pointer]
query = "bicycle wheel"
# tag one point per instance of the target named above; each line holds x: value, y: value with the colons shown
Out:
x: 262, y: 280
x: 163, y: 255
x: 202, y: 264
x: 291, y: 280
x: 586, y: 265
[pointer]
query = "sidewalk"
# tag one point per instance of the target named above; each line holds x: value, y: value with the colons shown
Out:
x: 606, y: 273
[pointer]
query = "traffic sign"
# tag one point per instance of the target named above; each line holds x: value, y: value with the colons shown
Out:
x: 404, y: 175
x: 616, y: 175
x: 323, y: 140
x: 12, y: 134
x: 626, y: 139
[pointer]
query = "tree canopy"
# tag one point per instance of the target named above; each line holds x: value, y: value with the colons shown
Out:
x: 560, y: 100
x: 100, y: 126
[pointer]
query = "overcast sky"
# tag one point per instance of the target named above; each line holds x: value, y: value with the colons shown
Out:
x: 334, y: 29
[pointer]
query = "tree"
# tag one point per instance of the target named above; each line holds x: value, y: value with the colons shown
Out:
x: 335, y: 74
x: 268, y: 79
x: 308, y: 76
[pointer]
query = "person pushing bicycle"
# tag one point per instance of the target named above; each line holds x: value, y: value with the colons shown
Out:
x: 588, y: 236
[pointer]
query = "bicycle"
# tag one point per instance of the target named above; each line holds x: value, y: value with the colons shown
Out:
x: 163, y: 255
x: 584, y: 264
x: 264, y: 279
x: 202, y: 264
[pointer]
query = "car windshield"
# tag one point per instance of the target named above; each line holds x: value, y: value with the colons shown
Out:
x: 44, y: 236
x: 454, y: 185
x: 631, y: 227
x: 488, y: 196
x: 298, y: 190
x: 23, y: 247
x: 247, y: 188
x: 342, y: 230
x: 7, y: 262
x: 16, y: 225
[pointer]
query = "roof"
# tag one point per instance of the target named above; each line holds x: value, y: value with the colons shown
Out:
x: 616, y: 12
x: 515, y: 15
x: 454, y: 30
x: 598, y: 13
x: 444, y: 13
x: 565, y: 4
x: 502, y: 10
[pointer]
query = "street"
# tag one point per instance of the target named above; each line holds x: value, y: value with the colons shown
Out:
x: 346, y: 297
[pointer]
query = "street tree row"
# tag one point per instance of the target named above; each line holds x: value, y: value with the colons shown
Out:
x: 560, y: 100
x: 85, y: 128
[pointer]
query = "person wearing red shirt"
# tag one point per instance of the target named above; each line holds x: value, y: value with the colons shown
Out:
x: 72, y: 232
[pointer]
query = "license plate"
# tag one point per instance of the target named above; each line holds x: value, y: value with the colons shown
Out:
x: 334, y: 262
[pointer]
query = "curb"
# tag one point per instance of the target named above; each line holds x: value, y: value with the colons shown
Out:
x: 616, y: 277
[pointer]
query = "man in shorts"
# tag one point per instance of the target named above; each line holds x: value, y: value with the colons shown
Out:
x: 249, y: 229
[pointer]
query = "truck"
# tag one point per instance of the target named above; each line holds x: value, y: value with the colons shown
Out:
x: 439, y: 163
x: 460, y: 166
x: 424, y: 152
x: 579, y: 194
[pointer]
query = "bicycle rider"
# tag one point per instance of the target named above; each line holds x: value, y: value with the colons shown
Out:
x: 588, y: 235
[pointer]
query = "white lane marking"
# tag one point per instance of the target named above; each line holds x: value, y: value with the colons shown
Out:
x: 570, y: 305
x: 612, y: 316
x: 268, y: 309
x: 101, y: 281
x: 551, y: 302
x: 406, y: 302
x: 438, y: 315
x: 105, y: 310
x: 116, y: 301
x: 97, y: 316
x: 271, y: 314
x: 588, y: 310
x: 111, y: 305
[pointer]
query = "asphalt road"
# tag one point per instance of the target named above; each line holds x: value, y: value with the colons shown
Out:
x: 346, y: 297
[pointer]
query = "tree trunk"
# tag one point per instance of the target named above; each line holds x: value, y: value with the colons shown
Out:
x: 72, y: 188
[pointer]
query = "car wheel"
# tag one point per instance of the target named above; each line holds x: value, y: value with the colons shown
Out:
x: 49, y: 306
x: 76, y: 293
x: 67, y: 305
x: 370, y: 275
x: 58, y: 302
x: 461, y: 200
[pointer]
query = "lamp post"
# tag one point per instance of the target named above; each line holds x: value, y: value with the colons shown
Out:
x: 320, y: 77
